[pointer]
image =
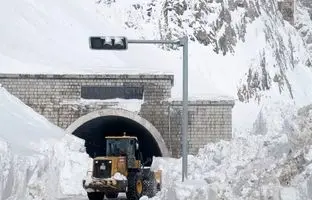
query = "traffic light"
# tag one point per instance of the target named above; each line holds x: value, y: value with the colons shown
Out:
x: 108, y: 43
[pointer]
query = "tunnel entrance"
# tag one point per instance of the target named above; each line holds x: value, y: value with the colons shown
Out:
x: 94, y: 127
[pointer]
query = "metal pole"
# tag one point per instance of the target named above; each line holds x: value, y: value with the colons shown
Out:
x: 169, y: 128
x: 184, y: 42
x: 154, y: 42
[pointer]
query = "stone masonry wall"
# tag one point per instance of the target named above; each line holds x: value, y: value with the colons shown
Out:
x: 209, y: 121
x: 54, y: 97
x: 46, y: 93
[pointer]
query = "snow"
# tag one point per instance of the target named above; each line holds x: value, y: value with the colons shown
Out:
x: 289, y: 194
x: 54, y: 37
x: 66, y: 33
x: 73, y: 163
x: 28, y: 131
x: 308, y: 156
x: 133, y: 105
x: 119, y: 177
x: 214, y: 76
x: 191, y: 189
x: 250, y: 165
x: 209, y: 72
x: 37, y: 160
x: 66, y: 27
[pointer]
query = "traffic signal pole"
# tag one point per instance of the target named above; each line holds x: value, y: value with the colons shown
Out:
x: 177, y: 42
x: 183, y: 42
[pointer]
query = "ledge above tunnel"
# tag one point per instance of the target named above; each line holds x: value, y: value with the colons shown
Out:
x: 95, y: 126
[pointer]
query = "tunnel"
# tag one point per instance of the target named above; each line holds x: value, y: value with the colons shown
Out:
x: 95, y: 126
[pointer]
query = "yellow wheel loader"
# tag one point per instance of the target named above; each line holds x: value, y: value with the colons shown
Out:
x: 121, y: 170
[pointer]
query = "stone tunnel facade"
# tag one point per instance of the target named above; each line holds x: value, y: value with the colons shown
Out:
x: 63, y: 99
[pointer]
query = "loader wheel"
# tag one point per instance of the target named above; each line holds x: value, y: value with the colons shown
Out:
x: 135, y: 186
x: 150, y: 185
x: 95, y: 195
x: 112, y: 195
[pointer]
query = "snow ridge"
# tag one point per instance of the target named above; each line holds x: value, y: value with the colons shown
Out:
x: 272, y: 165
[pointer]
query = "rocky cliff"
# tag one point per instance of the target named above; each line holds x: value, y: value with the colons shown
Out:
x: 278, y: 50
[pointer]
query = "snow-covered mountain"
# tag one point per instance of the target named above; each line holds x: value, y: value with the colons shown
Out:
x: 246, y: 42
x: 304, y: 22
x: 238, y: 48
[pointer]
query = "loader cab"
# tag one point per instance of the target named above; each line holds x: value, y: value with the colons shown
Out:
x: 127, y: 146
x: 116, y: 146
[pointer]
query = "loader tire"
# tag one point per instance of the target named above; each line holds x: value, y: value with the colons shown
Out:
x: 135, y: 186
x: 95, y: 195
x: 150, y: 185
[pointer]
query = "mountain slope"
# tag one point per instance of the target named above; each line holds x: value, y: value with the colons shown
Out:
x: 262, y: 53
x: 52, y: 37
x: 304, y: 23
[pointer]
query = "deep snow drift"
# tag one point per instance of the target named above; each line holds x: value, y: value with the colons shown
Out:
x: 36, y: 157
x: 271, y: 162
x: 21, y: 126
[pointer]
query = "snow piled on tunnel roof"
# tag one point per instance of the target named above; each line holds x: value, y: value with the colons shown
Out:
x: 132, y: 105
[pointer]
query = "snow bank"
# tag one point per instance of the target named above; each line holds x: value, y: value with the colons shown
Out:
x: 27, y: 139
x: 271, y: 162
x: 37, y: 160
x: 72, y: 163
x: 21, y: 126
x: 50, y: 174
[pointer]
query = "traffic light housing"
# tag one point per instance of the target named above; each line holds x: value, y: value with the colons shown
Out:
x: 108, y: 43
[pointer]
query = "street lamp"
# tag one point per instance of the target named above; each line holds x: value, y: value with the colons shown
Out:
x: 121, y: 43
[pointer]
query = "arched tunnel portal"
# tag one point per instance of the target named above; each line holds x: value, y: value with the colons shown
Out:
x: 95, y: 126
